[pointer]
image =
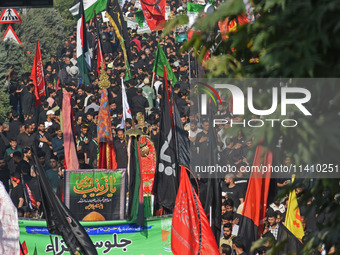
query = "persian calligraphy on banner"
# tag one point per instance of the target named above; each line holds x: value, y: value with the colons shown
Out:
x: 109, y: 237
x: 96, y: 194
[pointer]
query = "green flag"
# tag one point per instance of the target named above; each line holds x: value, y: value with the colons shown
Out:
x: 193, y: 12
x: 128, y: 75
x: 160, y: 62
x: 139, y: 17
x: 90, y: 6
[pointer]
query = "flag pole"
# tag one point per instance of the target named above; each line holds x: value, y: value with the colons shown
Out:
x: 153, y: 79
x: 189, y: 64
x: 52, y: 243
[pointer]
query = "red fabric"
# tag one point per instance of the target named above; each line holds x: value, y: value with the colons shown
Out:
x: 113, y: 162
x: 100, y: 58
x: 57, y: 86
x: 190, y: 233
x: 167, y: 91
x: 138, y: 44
x: 190, y: 34
x: 255, y: 203
x: 154, y: 13
x: 206, y: 57
x: 23, y: 250
x: 71, y: 159
x: 107, y: 156
x: 37, y: 76
x: 34, y: 203
x: 17, y: 180
x: 141, y: 194
x: 159, y: 212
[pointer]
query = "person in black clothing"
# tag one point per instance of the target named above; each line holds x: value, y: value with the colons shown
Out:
x: 26, y: 138
x: 2, y: 144
x: 43, y: 141
x: 42, y: 115
x: 232, y: 190
x: 17, y: 194
x: 92, y: 126
x: 14, y: 126
x: 28, y: 102
x: 139, y: 103
x: 121, y: 149
x: 106, y: 44
x: 4, y: 174
x: 202, y: 142
x: 131, y: 92
x: 92, y: 151
x: 81, y: 160
x: 80, y: 96
x: 14, y: 161
x: 238, y: 246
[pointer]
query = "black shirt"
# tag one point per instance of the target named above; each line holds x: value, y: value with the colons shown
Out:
x: 14, y: 129
x: 234, y: 193
x: 17, y: 192
x: 25, y: 140
x: 131, y: 93
x: 139, y: 103
x: 28, y: 104
x: 121, y: 153
x: 4, y: 177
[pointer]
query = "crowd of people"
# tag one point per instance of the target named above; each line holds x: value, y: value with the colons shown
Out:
x: 31, y: 127
x: 39, y: 128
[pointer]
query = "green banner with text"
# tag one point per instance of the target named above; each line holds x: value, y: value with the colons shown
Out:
x: 109, y: 237
x: 95, y: 195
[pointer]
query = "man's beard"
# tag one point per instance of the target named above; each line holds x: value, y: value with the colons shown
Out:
x: 227, y: 236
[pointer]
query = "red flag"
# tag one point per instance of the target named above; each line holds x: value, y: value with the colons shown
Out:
x: 257, y: 193
x: 190, y: 232
x: 100, y: 57
x: 255, y: 203
x: 37, y: 76
x: 154, y: 13
x: 71, y: 159
x: 23, y: 248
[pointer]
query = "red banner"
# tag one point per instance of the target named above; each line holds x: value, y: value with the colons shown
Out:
x: 37, y: 76
x: 190, y: 232
x: 148, y: 164
x: 154, y: 13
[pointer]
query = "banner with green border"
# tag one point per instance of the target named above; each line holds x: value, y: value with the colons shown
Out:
x: 109, y: 237
x: 96, y: 194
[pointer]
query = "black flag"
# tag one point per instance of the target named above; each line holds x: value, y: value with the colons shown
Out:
x: 213, y: 199
x: 59, y: 219
x: 116, y: 17
x: 167, y: 174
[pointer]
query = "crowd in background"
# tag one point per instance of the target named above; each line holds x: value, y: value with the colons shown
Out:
x: 40, y: 128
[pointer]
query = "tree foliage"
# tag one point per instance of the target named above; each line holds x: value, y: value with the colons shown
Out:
x: 11, y: 54
x: 45, y: 25
x: 69, y: 21
x: 288, y: 39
